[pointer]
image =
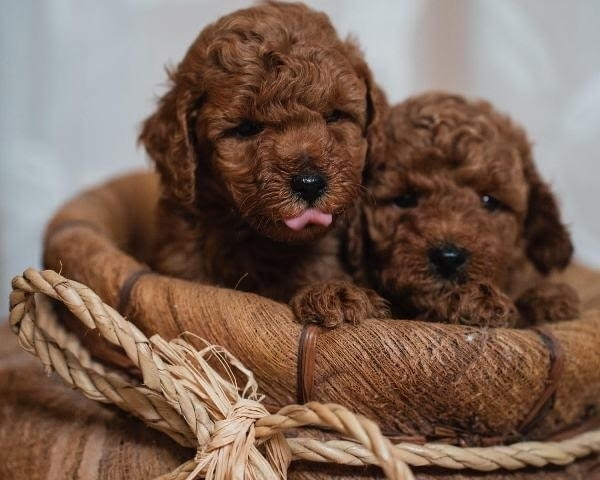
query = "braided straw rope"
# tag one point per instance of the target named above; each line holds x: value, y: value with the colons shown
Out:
x: 192, y: 396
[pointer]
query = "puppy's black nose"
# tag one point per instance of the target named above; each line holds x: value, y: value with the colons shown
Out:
x: 448, y: 260
x: 309, y: 185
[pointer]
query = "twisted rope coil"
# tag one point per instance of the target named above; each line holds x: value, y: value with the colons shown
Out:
x: 192, y: 396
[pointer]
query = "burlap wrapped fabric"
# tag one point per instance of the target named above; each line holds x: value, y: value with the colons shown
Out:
x: 419, y: 382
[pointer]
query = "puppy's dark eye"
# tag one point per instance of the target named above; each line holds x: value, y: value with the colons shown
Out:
x: 407, y: 200
x: 334, y: 116
x: 247, y: 129
x: 491, y: 203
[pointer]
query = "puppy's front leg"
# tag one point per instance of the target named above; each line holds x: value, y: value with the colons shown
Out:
x: 548, y: 302
x: 480, y: 304
x: 334, y: 302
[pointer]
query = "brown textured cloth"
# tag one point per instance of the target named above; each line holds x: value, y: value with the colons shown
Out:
x: 48, y: 431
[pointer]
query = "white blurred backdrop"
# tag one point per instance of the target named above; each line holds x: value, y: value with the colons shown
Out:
x: 77, y: 77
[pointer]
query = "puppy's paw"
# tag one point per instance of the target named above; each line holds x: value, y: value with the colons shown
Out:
x: 549, y: 302
x: 484, y: 305
x: 331, y: 303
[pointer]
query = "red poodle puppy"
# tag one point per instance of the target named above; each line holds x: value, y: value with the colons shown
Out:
x: 459, y: 226
x: 261, y: 143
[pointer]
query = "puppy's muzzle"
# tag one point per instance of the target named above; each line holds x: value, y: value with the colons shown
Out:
x: 448, y: 260
x: 309, y: 185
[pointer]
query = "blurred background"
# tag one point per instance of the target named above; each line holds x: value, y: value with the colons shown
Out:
x: 77, y: 77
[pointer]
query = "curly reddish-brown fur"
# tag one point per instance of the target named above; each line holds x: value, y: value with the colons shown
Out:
x: 459, y: 173
x: 334, y: 302
x: 308, y: 99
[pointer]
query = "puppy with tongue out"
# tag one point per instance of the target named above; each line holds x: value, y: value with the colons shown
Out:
x: 260, y: 144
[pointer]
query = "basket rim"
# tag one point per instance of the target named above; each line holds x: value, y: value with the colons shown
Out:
x: 138, y: 273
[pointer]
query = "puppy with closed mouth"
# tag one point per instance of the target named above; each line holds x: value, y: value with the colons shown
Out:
x: 459, y: 226
x: 260, y: 144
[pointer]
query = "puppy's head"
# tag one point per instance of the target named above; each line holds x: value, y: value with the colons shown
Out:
x: 457, y: 208
x: 272, y: 115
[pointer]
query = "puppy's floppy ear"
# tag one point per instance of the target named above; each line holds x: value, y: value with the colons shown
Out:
x: 377, y: 106
x: 548, y: 243
x: 167, y: 137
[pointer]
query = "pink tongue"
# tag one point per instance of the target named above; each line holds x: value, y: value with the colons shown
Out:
x: 310, y: 215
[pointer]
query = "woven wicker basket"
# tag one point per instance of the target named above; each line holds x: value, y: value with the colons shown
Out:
x: 420, y: 382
